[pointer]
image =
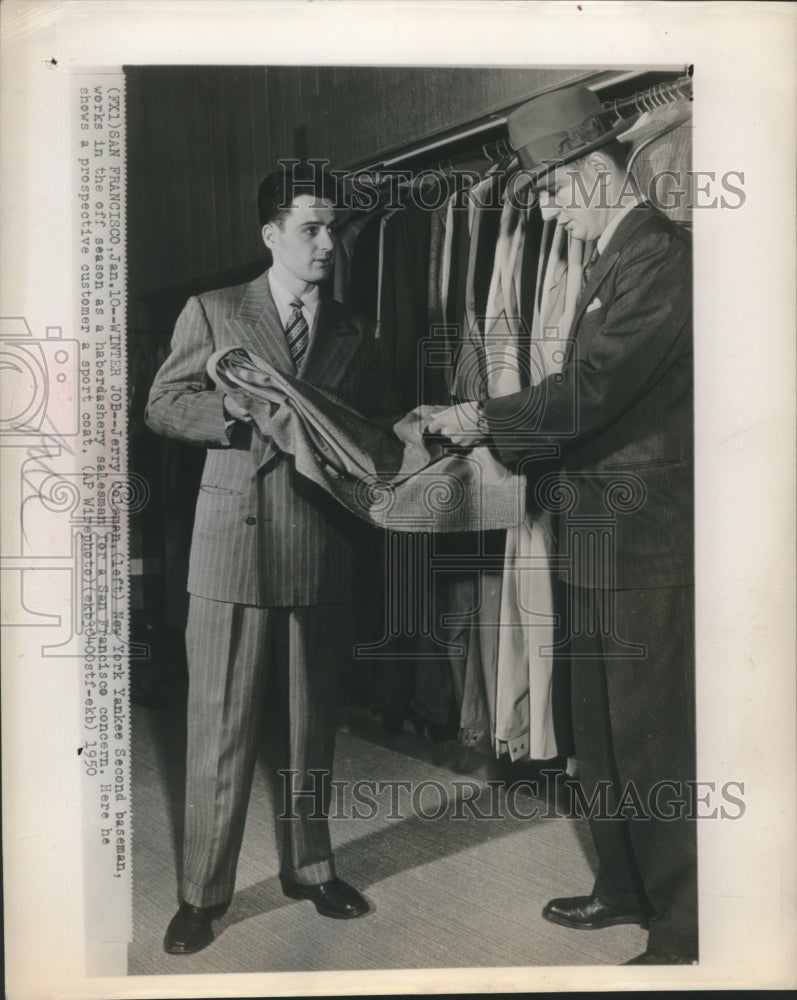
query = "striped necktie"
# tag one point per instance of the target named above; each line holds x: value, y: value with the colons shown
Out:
x: 297, y: 333
x: 593, y: 260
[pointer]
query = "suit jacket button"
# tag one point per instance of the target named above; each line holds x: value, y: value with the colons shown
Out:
x: 251, y: 520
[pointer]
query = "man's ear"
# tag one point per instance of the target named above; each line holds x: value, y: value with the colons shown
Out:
x: 267, y: 232
x: 599, y: 162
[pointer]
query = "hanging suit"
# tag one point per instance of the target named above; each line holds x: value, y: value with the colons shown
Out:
x: 661, y: 155
x: 524, y: 718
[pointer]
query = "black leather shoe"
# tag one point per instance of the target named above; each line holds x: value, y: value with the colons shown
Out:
x: 653, y: 957
x: 190, y: 929
x: 332, y: 899
x: 589, y: 913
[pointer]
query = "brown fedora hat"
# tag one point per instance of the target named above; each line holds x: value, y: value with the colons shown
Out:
x: 560, y: 126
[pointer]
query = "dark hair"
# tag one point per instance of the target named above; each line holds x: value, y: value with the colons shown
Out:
x: 291, y: 178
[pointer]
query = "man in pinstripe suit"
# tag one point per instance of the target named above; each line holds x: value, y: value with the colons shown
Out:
x: 272, y: 559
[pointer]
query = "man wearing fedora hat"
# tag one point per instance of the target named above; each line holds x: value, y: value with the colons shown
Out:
x: 626, y: 469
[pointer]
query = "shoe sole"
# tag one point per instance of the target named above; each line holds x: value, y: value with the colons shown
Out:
x: 339, y: 916
x: 292, y: 893
x: 665, y: 960
x: 173, y: 950
x: 596, y: 926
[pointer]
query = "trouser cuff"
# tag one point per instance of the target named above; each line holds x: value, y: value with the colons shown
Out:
x: 630, y: 900
x: 206, y: 895
x: 314, y: 874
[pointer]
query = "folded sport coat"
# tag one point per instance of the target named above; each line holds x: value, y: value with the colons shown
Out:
x: 620, y: 413
x: 264, y: 537
x: 385, y: 471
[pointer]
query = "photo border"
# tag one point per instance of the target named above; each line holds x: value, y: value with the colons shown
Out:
x: 744, y: 362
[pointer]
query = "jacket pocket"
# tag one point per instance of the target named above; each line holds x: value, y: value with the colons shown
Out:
x: 653, y: 463
x: 223, y: 491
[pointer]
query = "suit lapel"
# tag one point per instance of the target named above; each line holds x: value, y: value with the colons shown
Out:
x: 257, y: 327
x: 605, y: 262
x: 332, y: 345
x: 601, y: 268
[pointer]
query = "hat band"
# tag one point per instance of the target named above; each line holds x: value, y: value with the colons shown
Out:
x: 560, y: 146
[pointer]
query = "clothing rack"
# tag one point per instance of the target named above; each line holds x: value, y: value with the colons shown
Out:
x: 652, y: 98
x: 496, y: 147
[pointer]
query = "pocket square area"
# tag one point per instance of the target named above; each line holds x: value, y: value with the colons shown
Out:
x: 595, y: 304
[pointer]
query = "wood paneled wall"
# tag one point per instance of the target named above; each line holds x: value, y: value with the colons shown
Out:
x: 200, y: 139
x: 197, y: 139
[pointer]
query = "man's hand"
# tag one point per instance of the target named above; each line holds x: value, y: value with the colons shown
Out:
x: 460, y: 424
x: 236, y: 411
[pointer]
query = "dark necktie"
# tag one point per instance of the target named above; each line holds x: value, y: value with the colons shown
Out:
x: 593, y: 259
x: 297, y: 333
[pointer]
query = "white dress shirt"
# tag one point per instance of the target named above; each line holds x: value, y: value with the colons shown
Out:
x: 283, y: 300
x: 608, y: 232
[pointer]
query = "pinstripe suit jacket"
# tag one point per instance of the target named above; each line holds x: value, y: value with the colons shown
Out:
x: 264, y: 537
x: 622, y: 409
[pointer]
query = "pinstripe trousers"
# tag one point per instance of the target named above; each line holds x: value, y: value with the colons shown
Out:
x: 231, y: 649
